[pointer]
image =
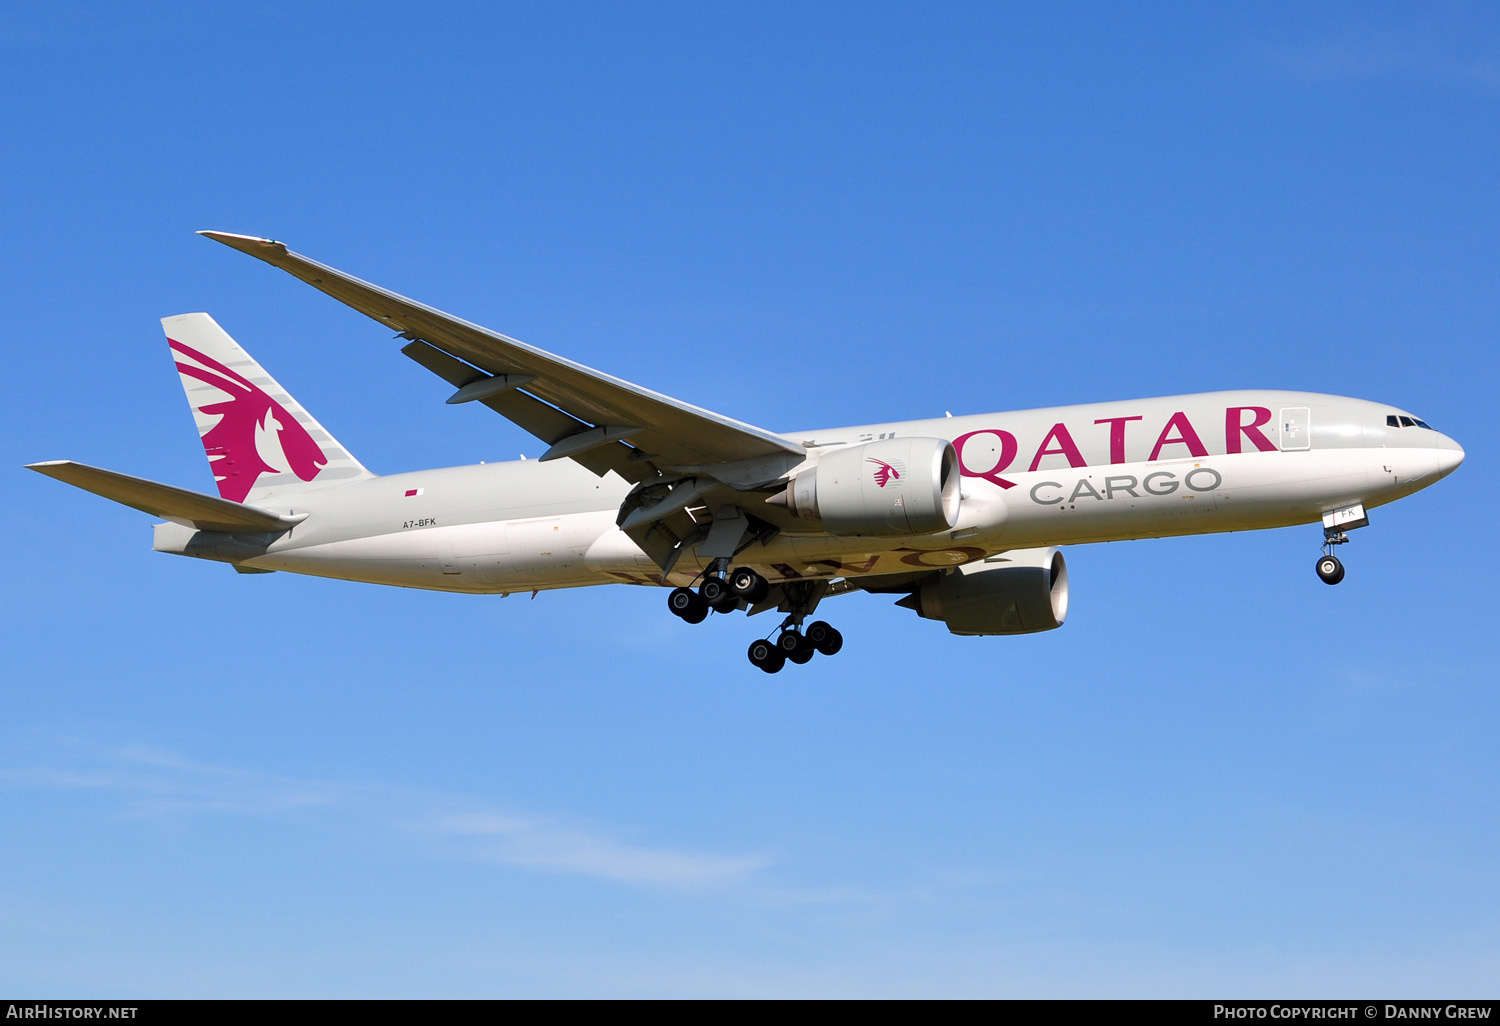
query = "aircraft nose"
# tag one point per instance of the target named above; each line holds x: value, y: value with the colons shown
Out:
x: 1449, y: 455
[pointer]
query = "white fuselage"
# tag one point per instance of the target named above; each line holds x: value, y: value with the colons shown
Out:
x: 1197, y: 464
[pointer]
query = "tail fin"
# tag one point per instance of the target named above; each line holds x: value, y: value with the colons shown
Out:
x: 260, y: 442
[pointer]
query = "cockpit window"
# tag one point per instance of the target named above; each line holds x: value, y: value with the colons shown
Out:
x: 1408, y: 422
x: 1391, y: 421
x: 1422, y: 423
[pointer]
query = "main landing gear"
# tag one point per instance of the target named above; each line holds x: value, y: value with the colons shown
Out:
x: 719, y: 593
x: 792, y: 644
x: 724, y: 593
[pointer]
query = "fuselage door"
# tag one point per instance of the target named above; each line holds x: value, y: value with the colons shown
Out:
x: 1296, y: 428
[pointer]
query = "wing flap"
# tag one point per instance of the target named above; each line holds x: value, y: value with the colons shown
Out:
x: 179, y: 505
x: 546, y: 422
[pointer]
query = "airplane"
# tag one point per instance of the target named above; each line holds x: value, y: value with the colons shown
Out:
x: 961, y: 517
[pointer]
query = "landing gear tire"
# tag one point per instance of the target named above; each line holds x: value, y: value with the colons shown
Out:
x: 748, y: 585
x: 795, y: 646
x: 718, y: 595
x: 687, y: 604
x: 825, y: 638
x: 1330, y: 569
x: 766, y: 655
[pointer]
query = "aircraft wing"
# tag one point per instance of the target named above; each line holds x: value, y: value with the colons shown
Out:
x: 598, y: 420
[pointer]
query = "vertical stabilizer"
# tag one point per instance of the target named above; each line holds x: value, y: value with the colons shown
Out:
x: 260, y: 442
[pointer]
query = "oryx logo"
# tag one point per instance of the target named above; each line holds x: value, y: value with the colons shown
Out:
x: 254, y: 434
x: 885, y: 473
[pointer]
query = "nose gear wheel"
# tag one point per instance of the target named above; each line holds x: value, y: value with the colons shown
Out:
x: 1330, y: 569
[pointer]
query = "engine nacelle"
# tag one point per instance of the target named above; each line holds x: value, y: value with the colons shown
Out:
x: 1018, y: 592
x: 895, y: 486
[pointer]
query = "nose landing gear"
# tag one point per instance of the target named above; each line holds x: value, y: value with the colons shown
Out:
x: 1330, y: 570
x: 1335, y: 524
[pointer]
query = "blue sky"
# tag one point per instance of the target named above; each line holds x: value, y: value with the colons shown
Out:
x: 1220, y: 778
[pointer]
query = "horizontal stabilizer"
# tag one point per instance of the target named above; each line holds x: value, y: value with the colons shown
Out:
x: 191, y: 509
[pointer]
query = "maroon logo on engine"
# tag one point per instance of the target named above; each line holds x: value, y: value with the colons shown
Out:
x: 884, y: 472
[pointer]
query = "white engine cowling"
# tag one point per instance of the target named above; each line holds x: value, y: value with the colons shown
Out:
x: 1018, y: 592
x: 895, y: 486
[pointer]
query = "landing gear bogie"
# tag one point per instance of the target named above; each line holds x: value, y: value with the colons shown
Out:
x: 795, y: 646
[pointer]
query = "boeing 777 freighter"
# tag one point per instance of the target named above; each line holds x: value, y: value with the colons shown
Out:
x: 960, y: 516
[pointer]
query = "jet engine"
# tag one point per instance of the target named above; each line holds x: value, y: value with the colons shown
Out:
x: 896, y: 486
x: 1018, y: 592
